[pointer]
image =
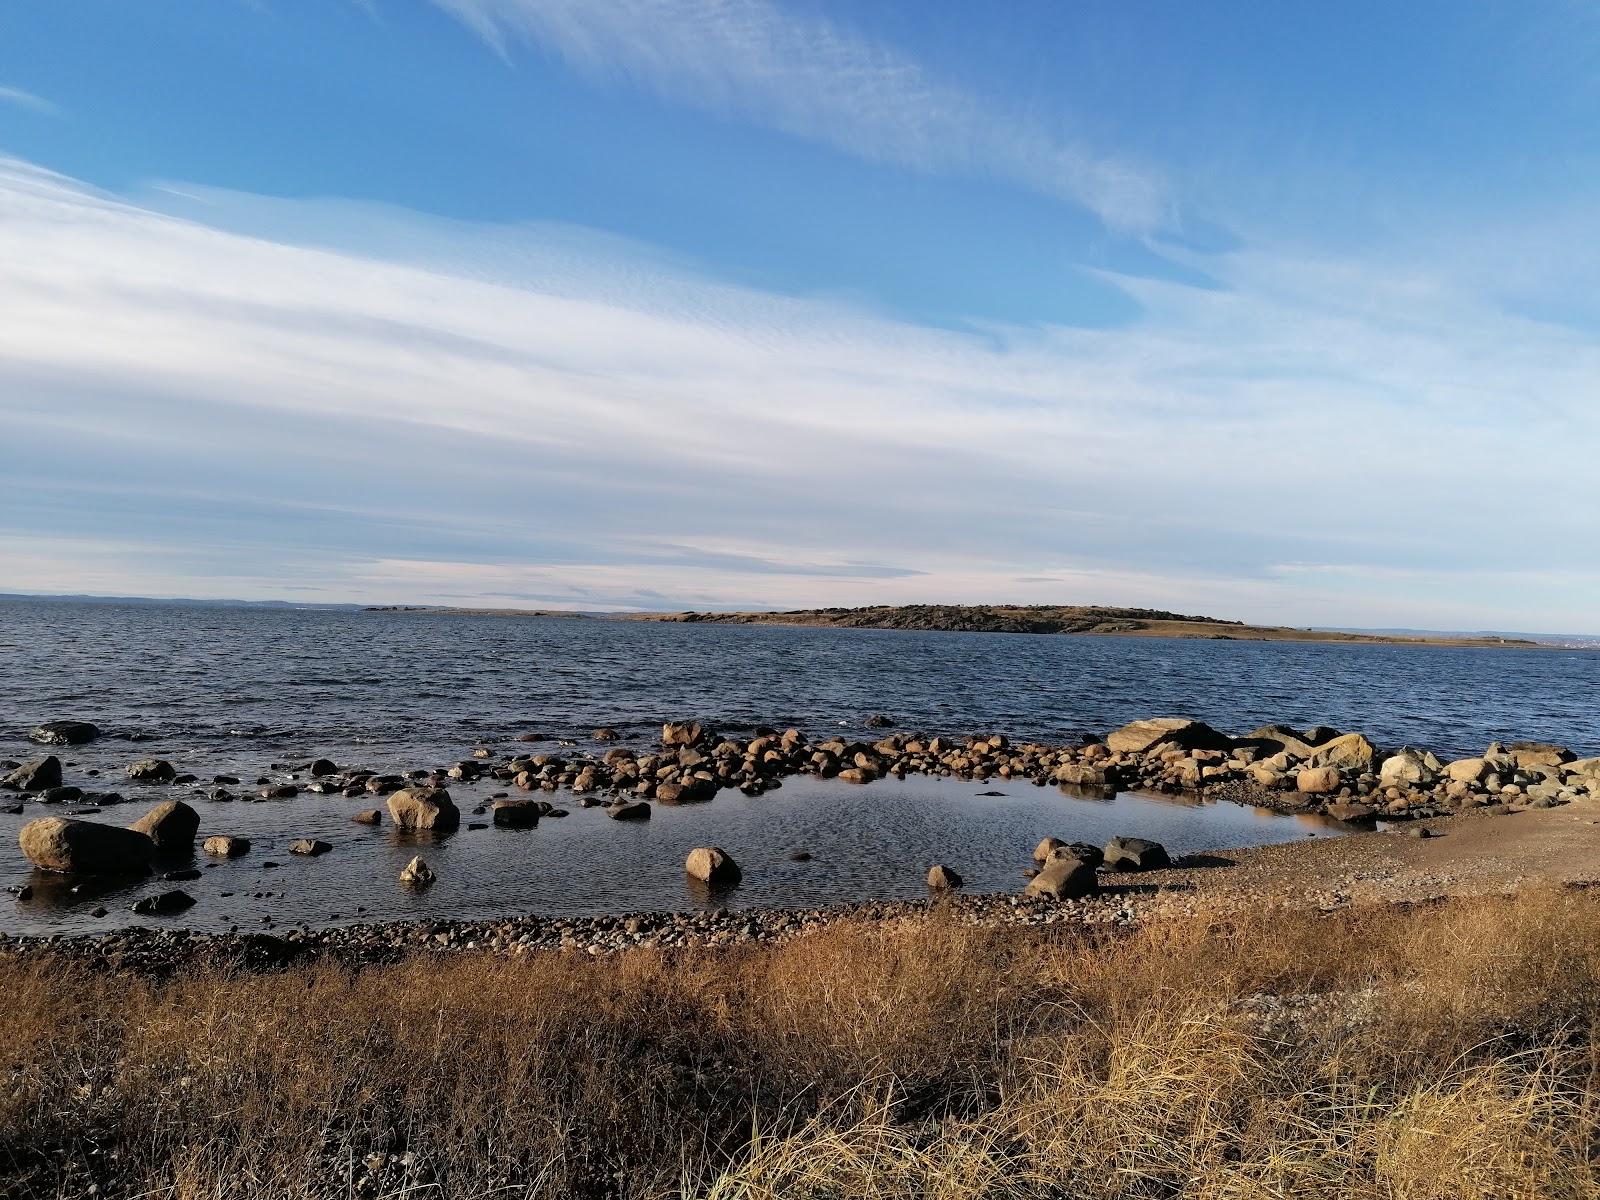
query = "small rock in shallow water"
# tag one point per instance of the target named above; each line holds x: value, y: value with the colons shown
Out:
x: 309, y: 846
x: 417, y: 874
x: 942, y: 878
x: 164, y: 903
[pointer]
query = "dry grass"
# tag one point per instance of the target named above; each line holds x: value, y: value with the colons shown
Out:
x: 1447, y: 1052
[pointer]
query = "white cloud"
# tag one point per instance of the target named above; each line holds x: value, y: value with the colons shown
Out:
x: 25, y: 99
x: 1319, y: 441
x: 812, y: 79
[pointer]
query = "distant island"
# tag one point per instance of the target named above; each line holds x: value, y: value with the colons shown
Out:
x: 1087, y: 620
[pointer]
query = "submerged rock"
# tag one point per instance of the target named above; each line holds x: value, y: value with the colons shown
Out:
x: 64, y: 733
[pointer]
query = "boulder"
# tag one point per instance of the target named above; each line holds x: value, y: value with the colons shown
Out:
x: 691, y: 790
x: 516, y: 814
x: 1084, y: 775
x: 1063, y: 878
x: 323, y: 766
x: 1539, y: 754
x: 417, y: 874
x: 311, y: 847
x: 1046, y: 848
x: 712, y: 864
x: 942, y: 878
x: 1405, y: 769
x: 368, y: 816
x: 226, y: 846
x: 1349, y: 752
x: 629, y: 810
x: 1280, y: 739
x: 164, y: 904
x: 40, y: 775
x: 170, y: 825
x: 152, y: 770
x: 64, y: 733
x: 1467, y: 770
x: 1135, y: 854
x: 683, y: 733
x: 423, y: 807
x: 1140, y: 736
x: 84, y: 847
x: 1316, y: 781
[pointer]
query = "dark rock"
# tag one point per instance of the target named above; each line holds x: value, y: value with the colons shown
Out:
x: 1135, y: 854
x: 517, y: 814
x: 1063, y: 878
x: 170, y: 825
x: 629, y: 810
x: 368, y: 816
x: 309, y: 846
x: 941, y: 877
x: 64, y: 733
x: 880, y: 721
x: 40, y: 775
x: 152, y: 770
x: 182, y: 876
x: 323, y: 766
x: 164, y: 904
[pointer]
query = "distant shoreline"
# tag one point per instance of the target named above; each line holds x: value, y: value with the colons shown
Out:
x: 1043, y: 620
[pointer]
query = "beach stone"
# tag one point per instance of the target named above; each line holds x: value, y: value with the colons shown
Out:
x: 1084, y: 775
x: 1281, y: 739
x: 629, y: 810
x: 224, y: 845
x: 368, y: 816
x: 943, y: 878
x: 1140, y: 736
x: 516, y: 814
x: 152, y: 770
x: 1046, y: 848
x: 712, y: 864
x: 1349, y: 752
x: 84, y: 847
x: 310, y: 847
x: 40, y: 775
x: 164, y: 904
x: 1351, y: 811
x: 1135, y: 854
x: 423, y: 807
x: 1538, y: 754
x: 64, y: 733
x: 682, y: 733
x: 1405, y: 769
x: 1063, y: 878
x: 170, y: 825
x: 323, y: 766
x: 417, y: 874
x: 1316, y: 781
x: 1467, y: 770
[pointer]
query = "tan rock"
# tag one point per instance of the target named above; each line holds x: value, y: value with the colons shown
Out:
x: 84, y: 847
x: 712, y: 864
x: 424, y: 808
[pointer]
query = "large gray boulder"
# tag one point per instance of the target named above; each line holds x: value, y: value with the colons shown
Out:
x: 170, y: 826
x: 1140, y: 736
x: 1063, y: 878
x: 40, y: 775
x: 84, y: 847
x: 424, y: 808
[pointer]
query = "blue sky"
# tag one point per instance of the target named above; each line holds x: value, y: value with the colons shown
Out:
x: 1286, y: 312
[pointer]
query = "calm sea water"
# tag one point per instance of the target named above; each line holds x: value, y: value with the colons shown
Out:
x: 228, y: 690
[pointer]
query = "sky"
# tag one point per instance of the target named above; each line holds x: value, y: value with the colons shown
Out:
x: 1287, y: 313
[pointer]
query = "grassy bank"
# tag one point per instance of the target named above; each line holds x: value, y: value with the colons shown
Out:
x: 1445, y: 1052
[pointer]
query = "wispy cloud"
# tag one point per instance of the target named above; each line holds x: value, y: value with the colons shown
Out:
x: 813, y: 79
x: 26, y: 99
x: 1374, y: 440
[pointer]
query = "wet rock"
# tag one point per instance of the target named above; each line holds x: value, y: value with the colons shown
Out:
x: 417, y: 874
x: 517, y: 814
x: 152, y: 770
x: 84, y: 848
x: 59, y: 795
x: 424, y: 808
x: 170, y: 826
x: 64, y: 733
x: 164, y: 904
x: 368, y: 816
x: 712, y: 864
x: 880, y: 721
x: 1135, y: 854
x: 40, y: 775
x: 1141, y: 736
x: 683, y: 733
x: 943, y: 878
x: 322, y: 766
x: 606, y: 734
x: 1351, y: 811
x: 279, y: 791
x: 629, y: 810
x: 182, y: 876
x: 226, y: 846
x: 311, y: 847
x: 1063, y: 878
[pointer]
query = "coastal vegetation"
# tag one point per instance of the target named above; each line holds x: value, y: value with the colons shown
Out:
x: 1441, y: 1051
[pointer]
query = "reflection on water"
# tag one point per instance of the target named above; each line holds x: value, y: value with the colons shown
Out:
x: 872, y: 842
